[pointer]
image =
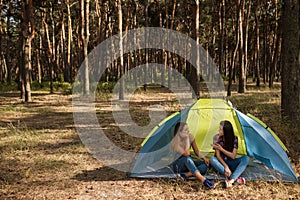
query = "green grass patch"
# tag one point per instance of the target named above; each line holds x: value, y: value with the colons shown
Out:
x: 16, y: 139
x: 6, y: 87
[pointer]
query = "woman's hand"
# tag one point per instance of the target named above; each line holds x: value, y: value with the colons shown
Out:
x: 206, y: 161
x: 227, y: 171
x: 217, y: 146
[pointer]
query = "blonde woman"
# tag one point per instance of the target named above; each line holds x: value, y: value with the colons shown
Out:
x: 184, y: 165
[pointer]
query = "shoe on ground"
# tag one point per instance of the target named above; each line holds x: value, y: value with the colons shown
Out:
x: 241, y: 181
x: 209, y: 184
x: 228, y: 183
x: 182, y: 176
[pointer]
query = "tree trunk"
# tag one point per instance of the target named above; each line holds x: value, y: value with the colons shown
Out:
x: 99, y: 23
x: 164, y: 53
x: 7, y: 60
x: 27, y: 69
x: 195, y: 71
x: 274, y: 50
x: 53, y: 60
x: 120, y: 24
x: 135, y: 53
x: 234, y: 53
x: 146, y: 4
x: 242, y: 76
x: 290, y: 99
x: 38, y: 60
x: 2, y: 59
x: 84, y: 8
x: 70, y: 36
x: 266, y: 43
x: 28, y: 31
x: 169, y: 55
x: 246, y: 26
x: 62, y: 44
x: 50, y: 51
x: 222, y: 67
x: 257, y: 50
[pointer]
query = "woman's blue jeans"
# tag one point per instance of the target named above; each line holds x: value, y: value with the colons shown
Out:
x: 237, y: 165
x: 186, y: 163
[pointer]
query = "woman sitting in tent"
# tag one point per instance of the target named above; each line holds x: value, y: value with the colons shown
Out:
x: 225, y: 161
x: 184, y: 165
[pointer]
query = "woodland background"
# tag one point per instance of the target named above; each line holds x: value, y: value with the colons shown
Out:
x: 256, y: 41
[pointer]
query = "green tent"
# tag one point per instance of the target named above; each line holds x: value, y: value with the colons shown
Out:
x: 269, y: 160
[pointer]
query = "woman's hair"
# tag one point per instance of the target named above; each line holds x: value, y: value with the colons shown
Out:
x: 178, y: 127
x: 228, y: 135
x: 175, y: 141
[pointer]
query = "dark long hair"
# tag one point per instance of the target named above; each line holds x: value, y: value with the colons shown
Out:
x: 178, y: 127
x: 228, y: 135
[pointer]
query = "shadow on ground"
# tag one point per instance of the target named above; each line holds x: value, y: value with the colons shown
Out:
x: 101, y: 174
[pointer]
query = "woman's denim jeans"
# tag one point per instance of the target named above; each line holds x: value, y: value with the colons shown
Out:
x: 237, y: 165
x: 186, y: 163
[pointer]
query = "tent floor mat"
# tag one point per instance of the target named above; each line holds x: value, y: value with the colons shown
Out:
x: 255, y: 170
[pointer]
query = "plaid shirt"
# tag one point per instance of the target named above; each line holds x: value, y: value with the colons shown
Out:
x: 220, y: 141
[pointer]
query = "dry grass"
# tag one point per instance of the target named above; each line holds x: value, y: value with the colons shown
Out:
x: 42, y: 156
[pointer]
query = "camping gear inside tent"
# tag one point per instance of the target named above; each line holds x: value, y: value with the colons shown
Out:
x: 269, y: 160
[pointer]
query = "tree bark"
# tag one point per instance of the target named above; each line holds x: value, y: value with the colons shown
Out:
x: 69, y: 43
x: 222, y: 67
x: 84, y: 8
x: 120, y: 24
x: 290, y: 99
x: 242, y: 76
x: 257, y: 50
x: 50, y: 51
x: 195, y: 71
x: 2, y: 59
x: 28, y: 32
x: 234, y: 53
x: 7, y: 60
x: 275, y: 49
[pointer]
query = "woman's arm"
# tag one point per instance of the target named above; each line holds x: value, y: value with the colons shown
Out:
x: 227, y: 172
x: 198, y: 153
x: 229, y: 154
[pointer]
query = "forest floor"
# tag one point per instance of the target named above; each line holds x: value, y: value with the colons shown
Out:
x: 42, y: 156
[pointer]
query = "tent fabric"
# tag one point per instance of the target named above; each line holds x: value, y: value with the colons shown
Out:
x: 269, y: 160
x: 155, y: 153
x: 269, y: 129
x: 266, y: 147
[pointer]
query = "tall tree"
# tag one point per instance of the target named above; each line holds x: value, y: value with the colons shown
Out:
x: 275, y: 50
x: 68, y: 71
x: 2, y: 59
x: 85, y: 34
x: 120, y: 24
x: 232, y: 65
x: 290, y: 99
x: 221, y: 35
x: 242, y: 72
x: 257, y: 47
x: 194, y: 78
x: 50, y: 45
x: 28, y: 32
x: 8, y: 49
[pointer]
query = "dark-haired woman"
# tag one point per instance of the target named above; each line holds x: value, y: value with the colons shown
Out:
x: 225, y: 160
x: 184, y: 165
